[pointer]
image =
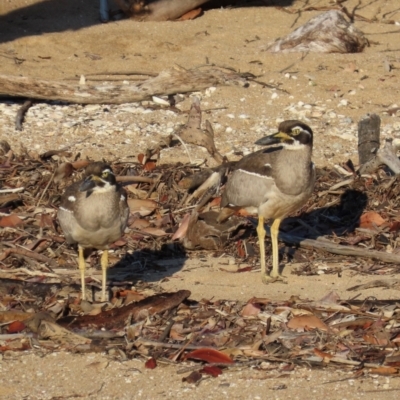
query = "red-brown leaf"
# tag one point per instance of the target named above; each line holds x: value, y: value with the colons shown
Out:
x: 385, y: 371
x: 251, y: 309
x: 11, y: 221
x: 211, y: 370
x: 209, y: 355
x: 149, y: 166
x: 322, y: 354
x: 151, y: 363
x: 306, y: 321
x: 370, y: 220
x: 16, y: 327
x: 192, y: 14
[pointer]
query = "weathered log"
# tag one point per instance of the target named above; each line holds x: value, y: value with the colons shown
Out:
x: 160, y: 10
x: 370, y: 154
x: 368, y: 137
x: 172, y: 81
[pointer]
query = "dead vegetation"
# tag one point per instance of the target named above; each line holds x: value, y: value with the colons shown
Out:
x: 348, y: 215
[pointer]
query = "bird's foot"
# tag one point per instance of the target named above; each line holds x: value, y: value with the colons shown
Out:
x: 272, y: 279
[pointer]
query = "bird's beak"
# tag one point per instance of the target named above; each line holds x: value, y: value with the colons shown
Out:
x: 275, y: 138
x: 89, y: 183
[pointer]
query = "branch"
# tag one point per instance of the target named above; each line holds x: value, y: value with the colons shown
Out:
x: 172, y: 81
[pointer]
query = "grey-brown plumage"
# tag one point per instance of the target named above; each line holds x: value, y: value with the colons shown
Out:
x: 273, y: 182
x: 93, y: 213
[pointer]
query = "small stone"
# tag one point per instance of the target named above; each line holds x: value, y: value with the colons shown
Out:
x: 97, y: 123
x: 228, y: 130
x: 274, y: 96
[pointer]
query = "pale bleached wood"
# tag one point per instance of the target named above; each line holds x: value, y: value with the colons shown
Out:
x: 160, y: 10
x: 171, y: 81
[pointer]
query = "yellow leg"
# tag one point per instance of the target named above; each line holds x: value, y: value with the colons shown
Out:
x: 81, y: 264
x: 104, y: 265
x: 275, y: 249
x: 261, y: 242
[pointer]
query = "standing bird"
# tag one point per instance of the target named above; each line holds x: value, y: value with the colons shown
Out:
x: 273, y: 182
x: 94, y: 213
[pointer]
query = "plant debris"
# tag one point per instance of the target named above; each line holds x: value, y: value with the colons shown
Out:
x: 40, y: 293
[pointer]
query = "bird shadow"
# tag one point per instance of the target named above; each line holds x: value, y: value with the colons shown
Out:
x: 339, y: 219
x: 149, y: 265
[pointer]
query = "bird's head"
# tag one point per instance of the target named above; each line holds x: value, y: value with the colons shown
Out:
x: 99, y: 179
x: 291, y: 133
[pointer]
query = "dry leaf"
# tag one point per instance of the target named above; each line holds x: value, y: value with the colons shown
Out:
x: 250, y: 309
x: 63, y: 171
x: 385, y: 371
x: 191, y: 15
x: 142, y: 206
x: 154, y: 231
x: 194, y: 377
x: 306, y: 321
x: 80, y: 164
x: 322, y: 354
x: 47, y: 221
x: 16, y: 327
x: 209, y: 355
x: 139, y: 224
x: 211, y: 370
x: 183, y: 227
x: 151, y: 363
x: 11, y: 221
x: 371, y: 220
x: 139, y: 193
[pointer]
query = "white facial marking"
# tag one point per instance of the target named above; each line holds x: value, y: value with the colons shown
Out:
x: 108, y: 170
x: 122, y: 198
x: 296, y: 145
x: 103, y: 189
x: 267, y: 165
x: 71, y: 198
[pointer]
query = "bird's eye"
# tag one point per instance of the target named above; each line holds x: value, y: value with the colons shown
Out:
x: 104, y: 174
x: 296, y: 131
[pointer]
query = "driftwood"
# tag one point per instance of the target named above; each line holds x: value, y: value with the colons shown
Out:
x: 369, y: 153
x: 160, y: 10
x: 334, y: 248
x: 172, y: 81
x: 329, y: 32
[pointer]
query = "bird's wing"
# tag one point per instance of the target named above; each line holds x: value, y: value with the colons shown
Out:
x: 246, y: 189
x: 252, y: 179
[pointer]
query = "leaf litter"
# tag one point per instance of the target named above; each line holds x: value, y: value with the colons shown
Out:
x: 40, y: 294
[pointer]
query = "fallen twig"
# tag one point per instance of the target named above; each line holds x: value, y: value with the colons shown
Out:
x: 28, y: 253
x: 19, y: 119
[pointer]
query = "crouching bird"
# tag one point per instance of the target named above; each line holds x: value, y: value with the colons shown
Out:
x: 273, y: 182
x: 93, y: 213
